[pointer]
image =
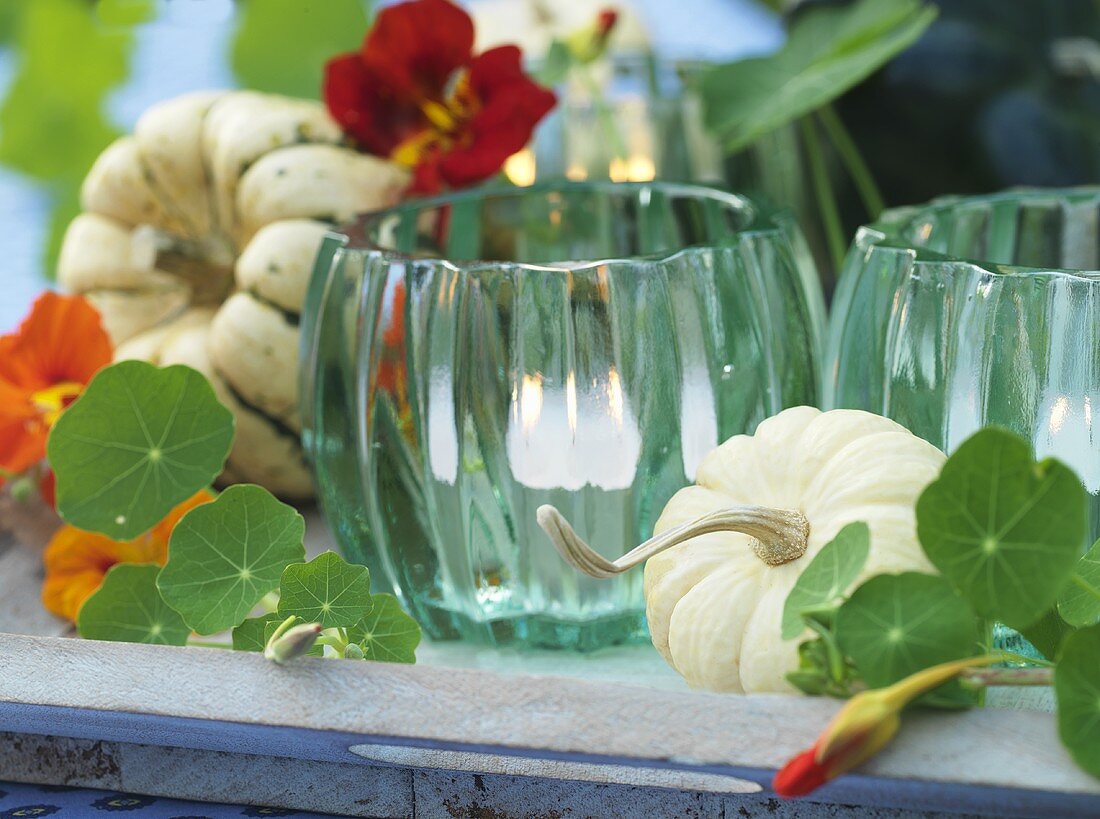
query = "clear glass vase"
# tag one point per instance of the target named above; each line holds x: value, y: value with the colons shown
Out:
x: 968, y: 312
x: 470, y: 358
x: 628, y: 118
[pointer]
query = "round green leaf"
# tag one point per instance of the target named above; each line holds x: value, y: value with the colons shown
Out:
x: 251, y: 635
x: 1047, y: 634
x: 327, y: 590
x: 387, y: 634
x: 128, y: 608
x: 823, y: 582
x: 1079, y: 602
x: 137, y: 443
x: 896, y: 624
x: 226, y: 555
x: 830, y: 48
x: 1077, y: 688
x: 1005, y: 531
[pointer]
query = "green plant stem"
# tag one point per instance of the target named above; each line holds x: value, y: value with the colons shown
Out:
x: 837, y: 668
x: 207, y: 644
x: 337, y: 638
x: 282, y: 629
x: 604, y: 112
x: 823, y: 192
x: 853, y: 160
x: 986, y: 677
x: 822, y: 614
x: 1013, y: 657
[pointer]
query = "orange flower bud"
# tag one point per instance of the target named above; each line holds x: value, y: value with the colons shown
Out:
x: 866, y: 723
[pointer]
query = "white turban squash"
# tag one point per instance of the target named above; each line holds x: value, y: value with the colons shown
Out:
x: 714, y: 599
x: 197, y: 243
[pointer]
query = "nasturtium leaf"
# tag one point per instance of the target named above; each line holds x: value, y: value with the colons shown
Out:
x: 1047, y: 634
x: 387, y: 634
x: 554, y: 67
x: 818, y: 674
x: 830, y: 48
x: 138, y: 442
x: 1079, y: 602
x: 327, y: 590
x: 128, y: 608
x: 897, y: 624
x: 1004, y: 530
x: 251, y: 635
x: 823, y: 582
x: 226, y: 555
x: 1077, y: 689
x: 281, y: 46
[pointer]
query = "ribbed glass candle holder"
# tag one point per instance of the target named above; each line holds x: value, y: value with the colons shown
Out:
x: 472, y: 357
x: 969, y: 312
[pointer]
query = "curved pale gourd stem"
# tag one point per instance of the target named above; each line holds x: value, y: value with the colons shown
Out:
x: 779, y: 536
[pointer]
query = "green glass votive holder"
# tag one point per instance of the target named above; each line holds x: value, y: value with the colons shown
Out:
x: 976, y: 311
x: 471, y: 357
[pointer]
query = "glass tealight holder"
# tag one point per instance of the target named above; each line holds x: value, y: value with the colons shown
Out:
x: 471, y: 357
x: 969, y: 312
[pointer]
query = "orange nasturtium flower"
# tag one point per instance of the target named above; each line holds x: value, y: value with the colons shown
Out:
x: 44, y: 366
x: 77, y: 561
x: 866, y: 723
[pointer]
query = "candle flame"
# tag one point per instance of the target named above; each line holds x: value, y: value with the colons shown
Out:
x: 520, y: 168
x: 637, y: 168
x: 571, y: 402
x: 530, y: 401
x: 576, y: 173
x: 615, y: 400
x: 1058, y: 414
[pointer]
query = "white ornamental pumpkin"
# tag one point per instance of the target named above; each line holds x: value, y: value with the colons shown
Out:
x: 197, y: 243
x: 728, y: 550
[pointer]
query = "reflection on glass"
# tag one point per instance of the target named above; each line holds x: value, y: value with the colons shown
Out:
x: 469, y: 359
x: 976, y: 311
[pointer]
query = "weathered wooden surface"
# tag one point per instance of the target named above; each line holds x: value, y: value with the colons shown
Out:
x: 357, y: 790
x: 467, y: 732
x: 998, y: 762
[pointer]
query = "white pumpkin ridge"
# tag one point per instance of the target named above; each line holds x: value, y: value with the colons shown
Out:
x: 197, y: 243
x: 727, y: 551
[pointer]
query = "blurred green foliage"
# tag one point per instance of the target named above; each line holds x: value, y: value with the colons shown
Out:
x: 281, y: 46
x: 829, y: 49
x: 995, y: 94
x: 70, y: 55
x: 52, y: 122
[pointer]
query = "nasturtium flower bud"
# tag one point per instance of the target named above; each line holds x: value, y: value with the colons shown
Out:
x: 588, y: 44
x: 292, y: 643
x: 866, y: 723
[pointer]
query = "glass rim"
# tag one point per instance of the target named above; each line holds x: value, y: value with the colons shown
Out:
x: 760, y: 220
x: 885, y: 232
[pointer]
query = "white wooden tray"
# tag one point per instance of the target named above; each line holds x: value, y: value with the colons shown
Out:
x: 466, y: 732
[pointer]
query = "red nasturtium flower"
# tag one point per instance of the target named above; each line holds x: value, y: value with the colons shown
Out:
x: 416, y: 93
x: 866, y: 723
x: 77, y: 561
x: 44, y: 366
